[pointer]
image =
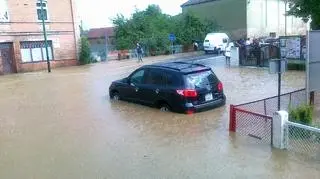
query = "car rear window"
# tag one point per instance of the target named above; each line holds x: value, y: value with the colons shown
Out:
x: 200, y: 80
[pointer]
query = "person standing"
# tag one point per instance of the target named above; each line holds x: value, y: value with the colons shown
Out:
x: 228, y: 54
x: 139, y: 52
x: 195, y: 46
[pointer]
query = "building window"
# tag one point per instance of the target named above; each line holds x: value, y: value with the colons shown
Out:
x: 44, y: 4
x: 35, y: 51
x: 4, y: 15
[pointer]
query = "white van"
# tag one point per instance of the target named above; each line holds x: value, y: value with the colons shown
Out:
x: 215, y: 42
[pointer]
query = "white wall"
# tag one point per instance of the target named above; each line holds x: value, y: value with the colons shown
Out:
x: 265, y: 16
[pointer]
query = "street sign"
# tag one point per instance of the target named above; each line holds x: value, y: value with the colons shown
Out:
x: 172, y: 37
x: 278, y: 66
x: 274, y: 66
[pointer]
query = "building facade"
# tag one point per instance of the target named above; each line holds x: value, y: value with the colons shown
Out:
x: 248, y: 18
x: 22, y: 47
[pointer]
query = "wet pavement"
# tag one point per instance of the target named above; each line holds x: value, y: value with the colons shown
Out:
x: 63, y: 126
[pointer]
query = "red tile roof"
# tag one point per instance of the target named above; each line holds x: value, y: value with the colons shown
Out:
x: 100, y: 32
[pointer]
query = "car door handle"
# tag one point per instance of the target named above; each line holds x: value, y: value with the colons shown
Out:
x: 157, y: 91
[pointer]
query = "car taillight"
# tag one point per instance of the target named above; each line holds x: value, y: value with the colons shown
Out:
x: 188, y: 93
x: 220, y: 87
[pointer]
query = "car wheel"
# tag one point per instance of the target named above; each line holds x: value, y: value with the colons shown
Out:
x: 115, y: 96
x: 165, y: 107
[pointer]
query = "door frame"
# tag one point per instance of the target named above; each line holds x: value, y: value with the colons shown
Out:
x: 11, y: 58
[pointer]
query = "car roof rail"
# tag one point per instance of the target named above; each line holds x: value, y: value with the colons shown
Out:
x: 198, y: 64
x: 164, y: 66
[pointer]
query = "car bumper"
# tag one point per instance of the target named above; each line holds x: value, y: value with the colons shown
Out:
x: 210, y: 48
x: 189, y: 108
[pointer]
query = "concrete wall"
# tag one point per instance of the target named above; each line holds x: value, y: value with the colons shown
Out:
x: 265, y: 16
x: 230, y: 14
x: 62, y: 29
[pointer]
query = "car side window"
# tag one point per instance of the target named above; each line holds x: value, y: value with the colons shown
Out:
x: 155, y: 77
x: 137, y: 77
x: 173, y: 80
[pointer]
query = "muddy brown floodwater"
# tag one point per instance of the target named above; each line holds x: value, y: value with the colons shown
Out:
x: 63, y: 126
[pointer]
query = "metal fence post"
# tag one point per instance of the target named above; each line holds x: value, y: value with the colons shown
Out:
x: 265, y: 107
x: 290, y: 98
x: 232, y: 122
x: 279, y: 134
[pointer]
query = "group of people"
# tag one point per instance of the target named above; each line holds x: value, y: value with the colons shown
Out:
x: 249, y: 48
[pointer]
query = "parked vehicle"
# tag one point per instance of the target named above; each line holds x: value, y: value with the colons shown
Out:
x: 176, y: 86
x: 215, y: 42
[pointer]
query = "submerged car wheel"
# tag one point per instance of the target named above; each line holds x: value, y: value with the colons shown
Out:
x: 115, y: 96
x: 165, y: 107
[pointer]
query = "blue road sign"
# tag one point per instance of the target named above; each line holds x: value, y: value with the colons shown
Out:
x: 172, y: 37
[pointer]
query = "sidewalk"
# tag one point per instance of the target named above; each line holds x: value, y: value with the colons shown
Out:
x: 153, y: 59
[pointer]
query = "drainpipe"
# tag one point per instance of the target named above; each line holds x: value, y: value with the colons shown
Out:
x: 74, y: 29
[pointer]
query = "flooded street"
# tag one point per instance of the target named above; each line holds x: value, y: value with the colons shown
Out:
x: 63, y: 126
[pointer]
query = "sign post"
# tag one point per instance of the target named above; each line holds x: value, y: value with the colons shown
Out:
x: 172, y: 38
x: 45, y: 37
x: 278, y: 66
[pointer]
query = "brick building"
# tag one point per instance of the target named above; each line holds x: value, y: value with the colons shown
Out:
x: 22, y: 46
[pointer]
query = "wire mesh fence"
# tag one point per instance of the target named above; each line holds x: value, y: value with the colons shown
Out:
x: 303, y: 139
x: 254, y: 119
x: 270, y: 105
x: 254, y: 125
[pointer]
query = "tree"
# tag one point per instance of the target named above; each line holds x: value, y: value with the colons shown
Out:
x: 190, y: 27
x: 151, y: 28
x: 85, y: 52
x: 307, y: 10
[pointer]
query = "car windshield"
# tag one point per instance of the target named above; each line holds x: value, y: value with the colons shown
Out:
x: 200, y: 80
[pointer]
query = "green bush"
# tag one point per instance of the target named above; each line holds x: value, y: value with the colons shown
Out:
x: 302, y: 115
x: 85, y: 52
x: 297, y: 66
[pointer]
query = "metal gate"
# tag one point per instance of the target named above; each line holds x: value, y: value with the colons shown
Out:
x: 6, y: 58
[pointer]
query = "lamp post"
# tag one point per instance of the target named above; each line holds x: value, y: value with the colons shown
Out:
x: 45, y: 36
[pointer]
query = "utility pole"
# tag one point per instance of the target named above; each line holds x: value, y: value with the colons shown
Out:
x: 45, y: 36
x: 285, y: 17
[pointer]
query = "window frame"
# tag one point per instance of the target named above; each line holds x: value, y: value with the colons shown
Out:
x: 44, y: 8
x: 161, y: 72
x: 43, y: 52
x: 6, y: 12
x: 135, y: 72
